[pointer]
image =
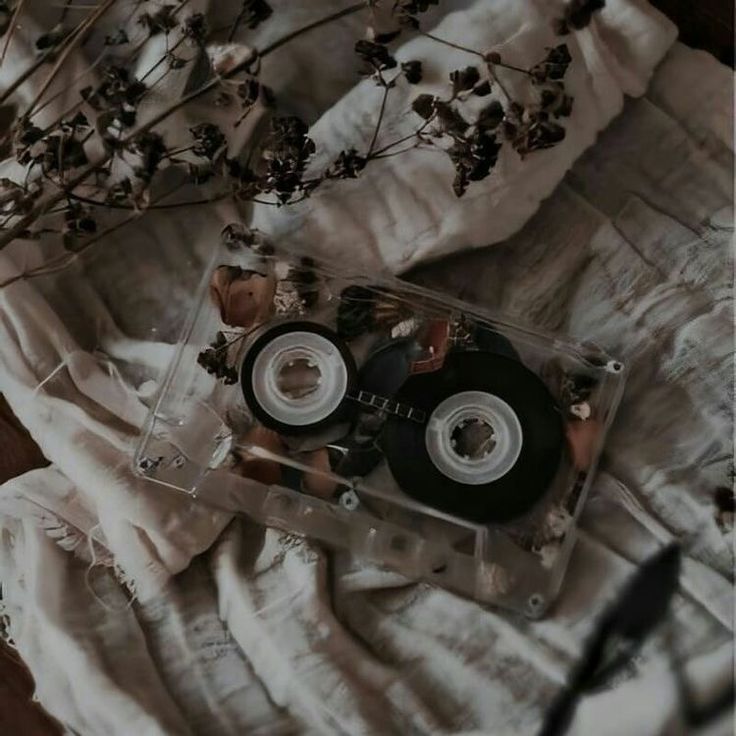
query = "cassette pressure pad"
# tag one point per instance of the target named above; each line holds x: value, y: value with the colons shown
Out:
x: 417, y: 431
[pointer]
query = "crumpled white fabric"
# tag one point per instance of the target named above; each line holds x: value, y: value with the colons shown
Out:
x: 268, y: 633
x: 403, y: 211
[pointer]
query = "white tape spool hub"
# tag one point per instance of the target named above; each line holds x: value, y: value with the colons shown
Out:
x: 296, y: 377
x: 473, y: 437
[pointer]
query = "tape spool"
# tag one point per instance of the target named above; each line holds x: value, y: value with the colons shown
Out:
x: 491, y: 444
x: 296, y: 377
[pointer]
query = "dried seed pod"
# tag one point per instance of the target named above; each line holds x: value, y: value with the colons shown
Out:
x: 244, y: 298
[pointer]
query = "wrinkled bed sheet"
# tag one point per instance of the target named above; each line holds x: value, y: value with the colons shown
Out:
x: 262, y: 632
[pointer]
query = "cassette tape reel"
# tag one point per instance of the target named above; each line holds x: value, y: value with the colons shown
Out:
x: 297, y: 378
x: 491, y: 443
x: 422, y: 434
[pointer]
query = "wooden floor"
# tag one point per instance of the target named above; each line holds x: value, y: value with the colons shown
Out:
x: 19, y: 715
x: 703, y: 24
x: 706, y: 24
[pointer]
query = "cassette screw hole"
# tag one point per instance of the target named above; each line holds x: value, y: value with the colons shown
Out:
x: 298, y: 378
x: 349, y: 500
x: 439, y: 568
x: 536, y: 604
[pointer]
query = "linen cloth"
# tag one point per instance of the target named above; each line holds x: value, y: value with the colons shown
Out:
x: 266, y: 632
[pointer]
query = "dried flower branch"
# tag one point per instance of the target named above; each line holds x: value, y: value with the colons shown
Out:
x: 64, y: 177
x: 577, y: 15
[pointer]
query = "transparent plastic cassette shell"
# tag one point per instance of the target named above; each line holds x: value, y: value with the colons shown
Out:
x: 203, y: 438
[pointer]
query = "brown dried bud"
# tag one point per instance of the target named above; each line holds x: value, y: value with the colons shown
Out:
x: 244, y: 298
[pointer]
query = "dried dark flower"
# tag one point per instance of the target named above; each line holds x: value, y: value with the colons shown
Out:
x: 121, y: 192
x: 555, y: 101
x: 118, y: 38
x: 78, y: 223
x: 26, y: 133
x: 348, y: 165
x: 249, y: 91
x: 254, y: 12
x: 491, y: 116
x: 62, y: 152
x: 77, y: 123
x: 553, y: 66
x: 464, y: 79
x: 162, y: 21
x: 412, y: 71
x: 118, y: 86
x: 375, y: 54
x: 529, y: 130
x: 286, y: 151
x: 214, y: 360
x: 117, y: 95
x: 576, y: 388
x: 209, y: 140
x: 244, y: 182
x: 236, y: 235
x: 473, y: 158
x: 195, y: 28
x: 407, y: 10
x: 577, y: 15
x: 483, y: 89
x: 52, y: 39
x: 151, y: 148
x: 449, y: 117
x: 725, y: 500
x: 424, y: 106
x: 385, y: 38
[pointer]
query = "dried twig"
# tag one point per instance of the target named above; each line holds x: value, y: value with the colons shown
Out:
x: 69, y: 45
x: 11, y: 29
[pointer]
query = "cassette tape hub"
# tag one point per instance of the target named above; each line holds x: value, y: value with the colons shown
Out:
x: 419, y: 432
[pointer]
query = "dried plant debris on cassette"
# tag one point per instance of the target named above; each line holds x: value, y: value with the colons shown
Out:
x: 382, y: 399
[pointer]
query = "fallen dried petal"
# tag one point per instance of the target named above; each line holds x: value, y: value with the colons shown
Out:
x: 244, y: 298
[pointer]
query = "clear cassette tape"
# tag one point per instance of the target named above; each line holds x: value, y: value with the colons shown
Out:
x: 417, y: 431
